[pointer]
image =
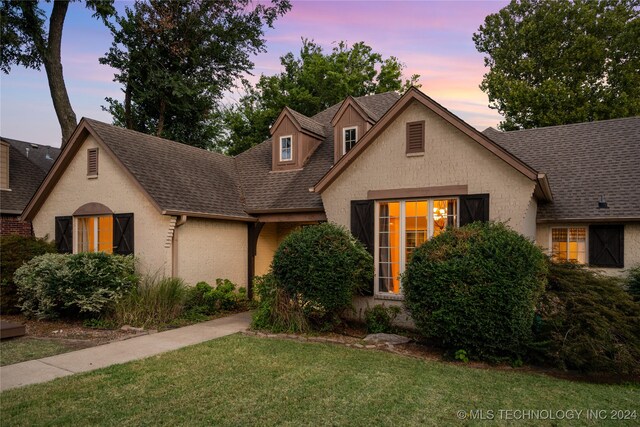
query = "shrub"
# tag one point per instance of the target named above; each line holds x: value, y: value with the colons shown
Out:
x: 154, y: 302
x: 476, y: 288
x: 379, y: 319
x: 633, y: 282
x: 322, y: 266
x: 15, y: 251
x: 276, y: 312
x: 51, y: 285
x: 205, y: 299
x: 586, y: 321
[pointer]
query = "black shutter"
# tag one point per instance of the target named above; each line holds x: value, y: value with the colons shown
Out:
x: 64, y: 234
x: 123, y: 234
x: 606, y: 245
x: 362, y: 227
x: 474, y: 207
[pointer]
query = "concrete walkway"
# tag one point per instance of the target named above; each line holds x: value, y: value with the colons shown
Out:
x: 88, y: 359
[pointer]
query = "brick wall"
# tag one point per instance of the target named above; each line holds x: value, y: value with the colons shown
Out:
x: 9, y: 224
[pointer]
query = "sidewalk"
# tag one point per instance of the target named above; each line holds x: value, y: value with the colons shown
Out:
x: 88, y: 359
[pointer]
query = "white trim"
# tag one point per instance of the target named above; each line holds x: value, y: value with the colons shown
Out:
x: 344, y: 142
x: 290, y: 148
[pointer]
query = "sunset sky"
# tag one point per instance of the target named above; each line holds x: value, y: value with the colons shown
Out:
x: 433, y: 38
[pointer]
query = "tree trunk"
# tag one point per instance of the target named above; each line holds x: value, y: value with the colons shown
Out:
x: 53, y: 67
x: 163, y: 109
x: 128, y: 120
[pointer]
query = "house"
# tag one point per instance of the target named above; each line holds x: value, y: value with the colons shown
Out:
x: 395, y: 170
x: 23, y: 166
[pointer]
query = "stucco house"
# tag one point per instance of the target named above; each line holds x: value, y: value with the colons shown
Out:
x: 23, y: 166
x: 395, y: 170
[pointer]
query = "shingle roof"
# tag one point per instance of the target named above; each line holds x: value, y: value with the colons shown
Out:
x: 307, y: 123
x: 178, y: 177
x: 28, y: 165
x: 583, y: 161
x: 266, y: 190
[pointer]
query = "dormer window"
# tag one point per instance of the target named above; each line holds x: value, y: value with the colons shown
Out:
x: 286, y: 152
x: 349, y: 138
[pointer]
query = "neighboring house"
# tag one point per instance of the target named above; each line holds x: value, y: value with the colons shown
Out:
x: 23, y: 166
x: 394, y: 170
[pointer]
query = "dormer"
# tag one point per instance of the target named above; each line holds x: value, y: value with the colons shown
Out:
x: 350, y: 123
x: 294, y: 138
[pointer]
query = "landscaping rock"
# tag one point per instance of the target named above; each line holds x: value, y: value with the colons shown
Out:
x: 387, y: 338
x: 129, y: 328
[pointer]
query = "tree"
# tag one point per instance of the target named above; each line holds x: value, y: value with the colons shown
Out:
x: 559, y: 61
x: 176, y: 59
x: 309, y: 84
x: 26, y: 41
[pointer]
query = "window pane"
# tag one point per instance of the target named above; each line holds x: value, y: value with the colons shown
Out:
x: 389, y: 244
x: 285, y: 148
x: 105, y: 234
x: 85, y: 234
x: 445, y: 214
x: 569, y: 244
x: 415, y: 225
x: 349, y: 136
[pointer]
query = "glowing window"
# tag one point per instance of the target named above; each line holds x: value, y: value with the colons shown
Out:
x: 569, y: 244
x: 95, y: 234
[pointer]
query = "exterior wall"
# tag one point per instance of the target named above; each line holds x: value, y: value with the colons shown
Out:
x: 631, y: 244
x: 10, y: 224
x: 117, y: 191
x: 349, y: 118
x: 529, y: 225
x: 451, y: 158
x: 211, y: 249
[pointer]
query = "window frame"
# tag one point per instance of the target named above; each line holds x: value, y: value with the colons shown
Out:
x: 290, y: 137
x: 567, y: 227
x: 402, y: 232
x: 344, y: 139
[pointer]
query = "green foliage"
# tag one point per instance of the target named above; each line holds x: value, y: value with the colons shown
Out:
x: 99, y: 323
x: 154, y: 302
x: 310, y: 83
x: 15, y: 251
x: 276, y: 311
x: 476, y: 288
x: 51, y: 285
x: 633, y: 283
x: 587, y: 322
x: 322, y: 267
x: 176, y: 59
x: 556, y: 62
x: 379, y: 319
x: 461, y: 355
x: 207, y: 300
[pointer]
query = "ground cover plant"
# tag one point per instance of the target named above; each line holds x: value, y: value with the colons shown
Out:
x: 475, y: 288
x: 294, y: 383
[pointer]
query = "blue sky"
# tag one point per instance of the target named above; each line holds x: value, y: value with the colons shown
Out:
x: 433, y: 38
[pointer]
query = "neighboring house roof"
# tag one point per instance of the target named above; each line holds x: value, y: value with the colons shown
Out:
x: 265, y: 190
x: 583, y: 161
x: 28, y: 165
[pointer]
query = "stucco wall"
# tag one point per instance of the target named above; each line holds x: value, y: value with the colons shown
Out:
x: 212, y: 249
x: 451, y: 158
x: 114, y: 189
x: 631, y: 244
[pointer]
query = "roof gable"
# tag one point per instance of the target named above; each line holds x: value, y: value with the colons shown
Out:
x: 301, y: 122
x: 364, y: 112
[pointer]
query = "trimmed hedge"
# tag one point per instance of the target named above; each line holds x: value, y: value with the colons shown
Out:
x: 51, y: 285
x: 14, y: 252
x: 475, y: 288
x: 323, y: 266
x: 587, y: 322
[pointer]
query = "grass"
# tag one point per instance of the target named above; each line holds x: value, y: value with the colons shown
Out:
x: 17, y: 350
x: 241, y: 380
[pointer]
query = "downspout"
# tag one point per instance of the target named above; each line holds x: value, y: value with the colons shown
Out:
x: 174, y: 245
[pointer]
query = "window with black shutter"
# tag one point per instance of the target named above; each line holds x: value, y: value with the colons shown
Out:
x: 123, y: 234
x: 362, y: 227
x: 474, y: 207
x: 64, y: 234
x: 606, y: 245
x: 415, y: 137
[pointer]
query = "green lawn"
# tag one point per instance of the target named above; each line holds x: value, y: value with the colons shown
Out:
x: 241, y: 380
x: 16, y: 350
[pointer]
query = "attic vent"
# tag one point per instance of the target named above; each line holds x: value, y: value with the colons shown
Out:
x: 92, y: 162
x: 415, y: 137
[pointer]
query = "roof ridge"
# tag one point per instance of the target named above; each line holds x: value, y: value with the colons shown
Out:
x: 565, y: 125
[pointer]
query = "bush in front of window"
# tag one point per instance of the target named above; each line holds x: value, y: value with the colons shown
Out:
x: 15, y: 251
x: 476, y: 288
x: 322, y: 266
x: 587, y: 322
x: 380, y: 318
x: 54, y: 285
